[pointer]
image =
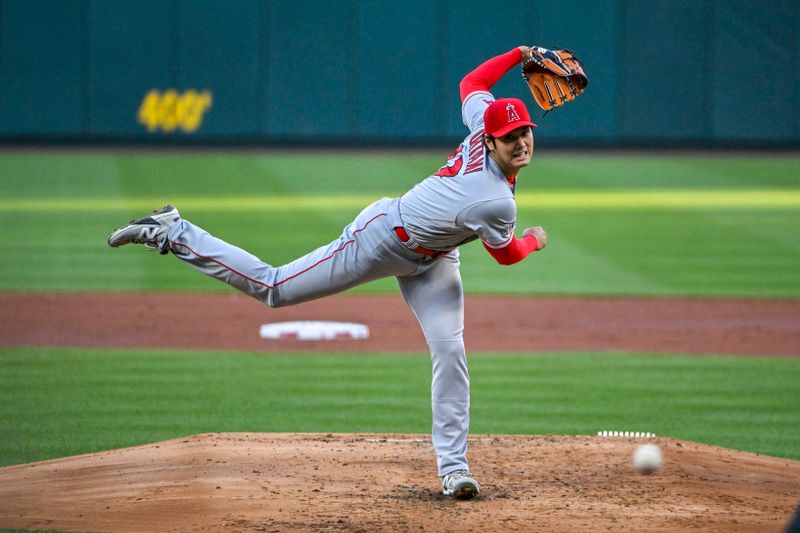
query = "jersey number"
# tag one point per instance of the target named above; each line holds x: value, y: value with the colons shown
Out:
x: 453, y: 166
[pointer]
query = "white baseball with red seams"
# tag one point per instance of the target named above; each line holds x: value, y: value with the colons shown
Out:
x: 469, y: 198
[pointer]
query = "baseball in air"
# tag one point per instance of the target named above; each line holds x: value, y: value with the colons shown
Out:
x: 647, y: 458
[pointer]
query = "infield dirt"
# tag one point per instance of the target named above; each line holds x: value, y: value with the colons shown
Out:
x: 316, y: 482
x: 231, y: 322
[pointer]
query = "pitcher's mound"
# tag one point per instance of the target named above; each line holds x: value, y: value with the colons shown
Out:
x: 313, y: 482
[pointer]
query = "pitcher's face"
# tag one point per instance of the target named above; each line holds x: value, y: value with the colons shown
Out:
x: 513, y: 151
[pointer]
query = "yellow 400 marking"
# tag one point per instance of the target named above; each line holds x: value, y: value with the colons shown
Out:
x: 171, y: 110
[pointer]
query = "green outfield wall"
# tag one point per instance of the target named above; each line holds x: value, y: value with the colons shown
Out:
x: 699, y: 73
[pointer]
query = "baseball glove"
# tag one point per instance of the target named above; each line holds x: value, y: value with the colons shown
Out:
x: 554, y: 76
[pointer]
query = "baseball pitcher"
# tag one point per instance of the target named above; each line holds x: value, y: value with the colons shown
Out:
x: 414, y: 238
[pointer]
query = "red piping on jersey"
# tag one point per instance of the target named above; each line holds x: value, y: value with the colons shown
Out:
x: 498, y: 244
x: 223, y: 265
x: 337, y: 250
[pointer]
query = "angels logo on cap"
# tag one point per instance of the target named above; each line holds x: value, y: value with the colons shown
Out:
x: 504, y: 115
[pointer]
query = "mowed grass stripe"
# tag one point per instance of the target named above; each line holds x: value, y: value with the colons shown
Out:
x: 132, y: 397
x: 580, y: 199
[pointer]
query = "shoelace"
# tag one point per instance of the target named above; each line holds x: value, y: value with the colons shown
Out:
x: 455, y: 476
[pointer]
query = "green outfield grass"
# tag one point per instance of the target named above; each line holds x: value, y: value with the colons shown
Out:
x: 59, y: 402
x: 651, y: 225
x: 631, y: 224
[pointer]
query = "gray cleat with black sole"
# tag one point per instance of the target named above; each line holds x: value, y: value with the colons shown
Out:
x: 151, y: 230
x: 460, y: 484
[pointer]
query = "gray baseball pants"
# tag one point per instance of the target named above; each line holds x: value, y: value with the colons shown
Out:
x: 368, y: 249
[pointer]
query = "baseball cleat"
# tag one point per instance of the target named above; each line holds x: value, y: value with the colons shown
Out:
x: 150, y: 230
x: 460, y: 485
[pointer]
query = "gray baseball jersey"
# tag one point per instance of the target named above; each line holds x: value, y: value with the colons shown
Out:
x: 468, y: 198
x: 414, y: 238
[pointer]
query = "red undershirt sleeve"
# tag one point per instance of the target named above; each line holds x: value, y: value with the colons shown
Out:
x: 516, y: 251
x: 489, y: 72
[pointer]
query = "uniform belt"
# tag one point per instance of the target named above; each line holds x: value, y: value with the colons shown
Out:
x: 403, y: 235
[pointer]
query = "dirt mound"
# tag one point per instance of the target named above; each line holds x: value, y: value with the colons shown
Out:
x: 231, y: 322
x: 312, y: 482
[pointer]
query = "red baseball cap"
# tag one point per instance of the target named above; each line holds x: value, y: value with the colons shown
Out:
x: 504, y: 115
